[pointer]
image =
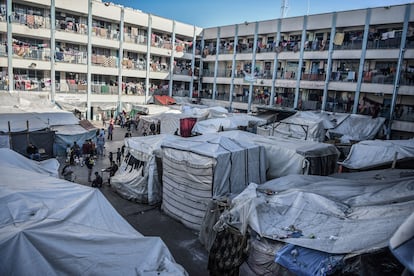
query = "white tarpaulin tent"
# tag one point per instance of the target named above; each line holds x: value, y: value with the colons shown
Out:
x: 369, y: 154
x: 290, y: 156
x: 50, y: 226
x: 304, y: 125
x: 358, y: 128
x: 170, y: 120
x: 200, y: 168
x: 348, y: 213
x: 140, y: 183
x: 20, y: 120
x: 23, y: 124
x: 230, y: 122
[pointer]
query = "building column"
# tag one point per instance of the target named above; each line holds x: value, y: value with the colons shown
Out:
x: 399, y: 68
x: 299, y: 71
x: 193, y: 63
x: 216, y: 64
x: 361, y: 62
x: 10, y: 47
x: 171, y: 82
x: 275, y: 64
x: 329, y: 67
x: 249, y: 104
x: 120, y: 58
x: 200, y: 78
x: 149, y: 39
x: 233, y: 66
x: 52, y: 51
x: 89, y: 72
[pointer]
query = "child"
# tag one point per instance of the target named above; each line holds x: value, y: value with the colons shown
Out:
x: 111, y: 157
x: 118, y: 156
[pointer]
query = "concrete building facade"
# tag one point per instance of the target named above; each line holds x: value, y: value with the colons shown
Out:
x: 106, y: 57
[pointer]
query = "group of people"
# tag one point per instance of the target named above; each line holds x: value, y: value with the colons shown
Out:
x: 86, y: 155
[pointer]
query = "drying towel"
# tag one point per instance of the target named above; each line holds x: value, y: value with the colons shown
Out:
x: 339, y: 38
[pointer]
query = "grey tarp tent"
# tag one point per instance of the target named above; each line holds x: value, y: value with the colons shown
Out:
x: 345, y: 214
x: 50, y: 226
x: 200, y: 168
x: 68, y: 134
x: 18, y: 127
x: 291, y: 156
x: 139, y: 176
x: 370, y: 154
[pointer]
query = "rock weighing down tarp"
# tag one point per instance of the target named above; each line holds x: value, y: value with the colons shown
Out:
x: 53, y: 227
x: 199, y: 168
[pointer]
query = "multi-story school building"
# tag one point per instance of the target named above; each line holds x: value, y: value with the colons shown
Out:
x: 100, y: 57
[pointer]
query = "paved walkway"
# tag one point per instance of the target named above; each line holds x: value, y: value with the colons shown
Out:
x: 182, y: 242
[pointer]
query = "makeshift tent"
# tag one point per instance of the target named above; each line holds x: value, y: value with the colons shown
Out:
x: 371, y: 154
x: 169, y: 121
x: 139, y: 176
x: 402, y: 243
x: 19, y: 127
x: 332, y: 216
x: 357, y: 128
x: 232, y: 121
x: 51, y: 226
x: 67, y: 135
x: 290, y: 156
x: 305, y: 125
x: 199, y: 168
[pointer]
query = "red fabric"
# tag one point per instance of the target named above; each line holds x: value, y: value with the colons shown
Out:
x: 164, y: 100
x: 186, y: 126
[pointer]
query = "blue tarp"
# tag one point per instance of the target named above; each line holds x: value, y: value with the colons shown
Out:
x: 305, y: 261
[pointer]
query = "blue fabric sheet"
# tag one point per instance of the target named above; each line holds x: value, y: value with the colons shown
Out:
x: 304, y: 261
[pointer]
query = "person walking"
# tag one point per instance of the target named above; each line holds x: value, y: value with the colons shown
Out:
x: 89, y: 162
x: 110, y: 131
x: 100, y: 143
x: 118, y: 156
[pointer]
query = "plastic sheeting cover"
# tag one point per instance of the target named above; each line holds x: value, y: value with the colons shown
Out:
x: 231, y: 122
x: 358, y: 127
x: 57, y: 227
x: 21, y: 120
x: 366, y: 154
x: 285, y: 156
x: 141, y: 185
x: 331, y: 213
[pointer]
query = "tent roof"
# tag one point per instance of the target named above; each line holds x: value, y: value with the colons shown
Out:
x: 147, y: 145
x: 57, y: 227
x: 210, y: 145
x: 20, y: 120
x: 342, y: 212
x: 230, y: 122
x: 358, y: 127
x: 371, y: 153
